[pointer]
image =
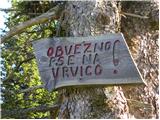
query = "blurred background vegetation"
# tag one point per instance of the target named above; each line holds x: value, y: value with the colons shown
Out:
x: 19, y: 67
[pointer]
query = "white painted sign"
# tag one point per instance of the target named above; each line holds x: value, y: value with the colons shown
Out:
x: 77, y: 61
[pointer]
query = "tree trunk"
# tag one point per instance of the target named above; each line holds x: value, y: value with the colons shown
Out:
x: 142, y: 37
x: 100, y: 17
x: 85, y: 19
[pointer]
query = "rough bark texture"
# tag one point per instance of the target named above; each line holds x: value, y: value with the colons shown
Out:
x: 84, y: 19
x: 95, y: 18
x: 142, y: 37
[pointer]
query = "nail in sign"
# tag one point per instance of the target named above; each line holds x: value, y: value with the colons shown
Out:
x: 78, y: 61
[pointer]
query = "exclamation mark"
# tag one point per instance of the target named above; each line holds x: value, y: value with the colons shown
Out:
x: 115, y: 57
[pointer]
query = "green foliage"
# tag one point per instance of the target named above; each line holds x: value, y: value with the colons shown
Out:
x: 19, y: 61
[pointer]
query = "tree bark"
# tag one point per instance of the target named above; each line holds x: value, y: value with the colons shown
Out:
x: 140, y: 27
x: 142, y: 37
x: 85, y: 19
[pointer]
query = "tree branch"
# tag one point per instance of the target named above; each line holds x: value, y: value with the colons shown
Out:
x: 24, y: 12
x: 24, y: 61
x: 51, y: 14
x: 31, y: 89
x: 133, y: 15
x: 41, y: 108
x: 11, y: 73
x: 8, y: 10
x: 22, y: 90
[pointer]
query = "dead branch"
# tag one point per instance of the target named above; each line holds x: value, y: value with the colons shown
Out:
x: 51, y: 14
x: 133, y: 15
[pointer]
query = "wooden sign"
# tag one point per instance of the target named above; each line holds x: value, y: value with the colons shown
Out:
x: 72, y: 61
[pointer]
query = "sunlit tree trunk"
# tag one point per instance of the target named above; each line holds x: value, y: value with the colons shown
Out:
x: 100, y: 17
x: 142, y: 37
x: 91, y: 19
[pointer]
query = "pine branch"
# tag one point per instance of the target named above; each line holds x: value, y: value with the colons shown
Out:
x: 11, y: 73
x: 51, y: 14
x: 41, y: 108
x: 16, y: 10
x: 24, y: 61
x: 8, y: 10
x: 22, y: 90
x: 31, y: 89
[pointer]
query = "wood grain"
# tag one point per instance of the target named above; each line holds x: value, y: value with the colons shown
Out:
x: 99, y: 60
